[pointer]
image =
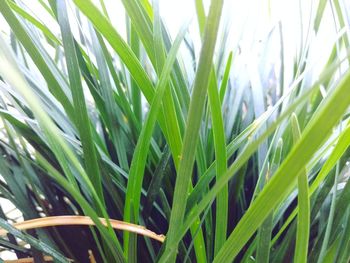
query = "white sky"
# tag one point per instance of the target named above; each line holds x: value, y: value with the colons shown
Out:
x: 249, y: 19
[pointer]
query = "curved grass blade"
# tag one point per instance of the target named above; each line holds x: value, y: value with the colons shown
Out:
x: 33, y: 241
x: 82, y: 220
x: 88, y: 210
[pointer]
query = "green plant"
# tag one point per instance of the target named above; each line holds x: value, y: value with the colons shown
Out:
x: 231, y: 160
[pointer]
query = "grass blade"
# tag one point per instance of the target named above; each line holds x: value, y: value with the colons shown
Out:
x: 82, y: 119
x: 279, y: 186
x: 193, y: 123
x: 225, y: 78
x: 138, y: 162
x: 303, y: 226
x: 67, y: 159
x: 265, y: 231
x: 221, y: 162
x: 53, y: 77
x: 33, y: 242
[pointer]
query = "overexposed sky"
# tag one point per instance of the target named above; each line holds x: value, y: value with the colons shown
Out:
x: 250, y: 20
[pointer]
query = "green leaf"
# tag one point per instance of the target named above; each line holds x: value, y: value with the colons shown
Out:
x: 64, y: 154
x: 339, y: 149
x: 221, y: 161
x: 265, y: 231
x: 46, y: 31
x: 58, y: 86
x: 138, y: 162
x: 81, y: 118
x: 282, y: 183
x: 119, y: 45
x: 303, y: 226
x: 225, y: 78
x: 200, y: 15
x: 193, y: 124
x: 33, y: 242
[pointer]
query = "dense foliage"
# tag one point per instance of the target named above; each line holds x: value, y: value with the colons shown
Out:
x: 234, y: 148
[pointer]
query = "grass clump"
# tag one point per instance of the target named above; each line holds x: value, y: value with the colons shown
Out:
x: 234, y: 147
